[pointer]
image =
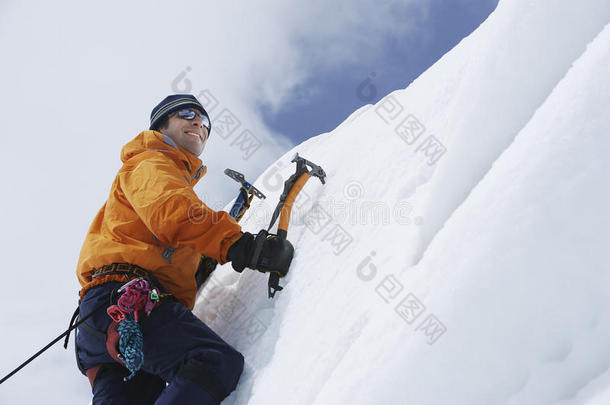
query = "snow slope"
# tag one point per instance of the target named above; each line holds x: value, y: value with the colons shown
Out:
x: 457, y: 252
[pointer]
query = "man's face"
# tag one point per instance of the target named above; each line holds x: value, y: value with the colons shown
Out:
x: 189, y: 134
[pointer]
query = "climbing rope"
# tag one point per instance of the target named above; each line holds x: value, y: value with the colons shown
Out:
x: 130, y: 346
x: 136, y: 297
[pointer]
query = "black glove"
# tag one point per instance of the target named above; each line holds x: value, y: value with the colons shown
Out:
x: 265, y: 253
x: 206, y: 266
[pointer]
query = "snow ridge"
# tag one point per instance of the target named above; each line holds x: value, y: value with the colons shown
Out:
x: 457, y: 252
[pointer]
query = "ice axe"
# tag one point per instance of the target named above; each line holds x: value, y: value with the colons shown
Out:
x: 247, y: 192
x: 304, y: 171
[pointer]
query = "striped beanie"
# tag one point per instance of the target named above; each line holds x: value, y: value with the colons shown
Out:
x: 173, y: 103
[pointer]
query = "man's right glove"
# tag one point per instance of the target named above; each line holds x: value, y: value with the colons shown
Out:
x: 265, y: 253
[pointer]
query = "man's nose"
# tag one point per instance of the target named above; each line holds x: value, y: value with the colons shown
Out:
x: 198, y: 122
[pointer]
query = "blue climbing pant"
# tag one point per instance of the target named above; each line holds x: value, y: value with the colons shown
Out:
x: 185, y: 362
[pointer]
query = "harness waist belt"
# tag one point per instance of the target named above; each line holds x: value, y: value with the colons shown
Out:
x: 127, y: 269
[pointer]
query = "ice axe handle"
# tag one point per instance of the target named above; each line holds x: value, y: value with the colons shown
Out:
x: 292, y: 187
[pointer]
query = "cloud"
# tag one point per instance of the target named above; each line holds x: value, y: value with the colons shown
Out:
x: 322, y: 36
x: 94, y: 70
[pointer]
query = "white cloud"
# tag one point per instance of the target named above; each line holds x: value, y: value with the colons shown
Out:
x: 328, y: 35
x: 93, y: 71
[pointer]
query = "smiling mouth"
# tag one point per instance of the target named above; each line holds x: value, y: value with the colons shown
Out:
x: 194, y: 134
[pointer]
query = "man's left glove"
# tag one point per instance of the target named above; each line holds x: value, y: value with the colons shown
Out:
x: 265, y: 253
x: 206, y: 266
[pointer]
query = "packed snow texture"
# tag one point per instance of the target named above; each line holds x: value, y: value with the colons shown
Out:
x: 457, y: 252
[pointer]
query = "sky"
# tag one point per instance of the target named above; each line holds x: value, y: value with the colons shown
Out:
x: 329, y: 95
x: 79, y: 80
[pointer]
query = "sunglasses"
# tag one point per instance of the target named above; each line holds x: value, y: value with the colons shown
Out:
x: 190, y: 115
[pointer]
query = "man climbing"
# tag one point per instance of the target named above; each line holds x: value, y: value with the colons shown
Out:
x: 140, y: 256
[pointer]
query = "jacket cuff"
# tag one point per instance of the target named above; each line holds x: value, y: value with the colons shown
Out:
x: 226, y: 244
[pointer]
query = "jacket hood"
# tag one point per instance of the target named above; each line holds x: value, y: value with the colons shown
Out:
x: 155, y: 141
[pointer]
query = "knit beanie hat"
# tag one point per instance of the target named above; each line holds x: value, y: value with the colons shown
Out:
x: 173, y: 103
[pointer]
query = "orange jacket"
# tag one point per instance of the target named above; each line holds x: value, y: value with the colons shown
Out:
x: 154, y: 219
